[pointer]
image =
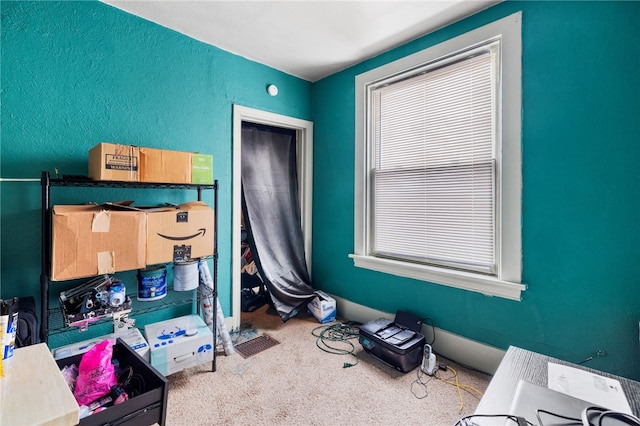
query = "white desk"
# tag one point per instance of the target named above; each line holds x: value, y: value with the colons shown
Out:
x: 33, y: 392
x: 533, y: 367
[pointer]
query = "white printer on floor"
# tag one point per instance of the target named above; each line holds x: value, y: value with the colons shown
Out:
x: 179, y: 343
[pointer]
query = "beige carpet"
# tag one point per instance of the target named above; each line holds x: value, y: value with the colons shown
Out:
x: 296, y: 383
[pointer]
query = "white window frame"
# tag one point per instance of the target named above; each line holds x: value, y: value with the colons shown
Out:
x: 507, y: 280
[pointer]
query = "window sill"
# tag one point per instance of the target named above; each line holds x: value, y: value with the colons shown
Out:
x: 489, y: 286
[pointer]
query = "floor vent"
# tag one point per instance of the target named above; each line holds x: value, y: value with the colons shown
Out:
x: 256, y: 345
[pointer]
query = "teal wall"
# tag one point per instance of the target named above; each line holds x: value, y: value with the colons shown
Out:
x: 581, y: 191
x: 78, y: 73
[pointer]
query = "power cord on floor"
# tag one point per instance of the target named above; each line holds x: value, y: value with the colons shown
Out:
x: 454, y: 381
x: 469, y: 389
x: 330, y: 337
x: 421, y: 384
x: 459, y: 386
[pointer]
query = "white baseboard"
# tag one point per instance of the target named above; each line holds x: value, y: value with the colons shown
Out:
x: 464, y: 351
x: 456, y: 348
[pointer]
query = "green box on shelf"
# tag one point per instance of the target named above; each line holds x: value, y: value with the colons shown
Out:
x: 202, y: 169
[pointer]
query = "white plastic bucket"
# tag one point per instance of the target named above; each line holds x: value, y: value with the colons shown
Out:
x: 185, y: 276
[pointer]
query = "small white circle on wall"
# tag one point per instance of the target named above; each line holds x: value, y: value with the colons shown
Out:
x: 272, y: 89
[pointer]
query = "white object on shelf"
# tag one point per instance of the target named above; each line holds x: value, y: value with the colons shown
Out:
x: 185, y: 276
x: 591, y: 387
x: 179, y: 343
x: 132, y: 337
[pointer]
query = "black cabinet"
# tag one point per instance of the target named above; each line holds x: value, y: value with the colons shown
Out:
x: 147, y: 403
x: 51, y: 316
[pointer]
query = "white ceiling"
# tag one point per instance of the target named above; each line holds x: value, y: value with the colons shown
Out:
x: 308, y: 39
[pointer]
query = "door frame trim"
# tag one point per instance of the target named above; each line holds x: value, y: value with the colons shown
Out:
x: 304, y: 148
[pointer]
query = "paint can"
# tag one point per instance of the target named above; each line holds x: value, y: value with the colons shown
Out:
x: 152, y: 283
x: 185, y: 276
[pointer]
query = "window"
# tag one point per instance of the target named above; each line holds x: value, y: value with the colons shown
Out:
x: 438, y: 163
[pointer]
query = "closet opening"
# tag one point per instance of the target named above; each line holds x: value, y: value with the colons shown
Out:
x: 277, y: 149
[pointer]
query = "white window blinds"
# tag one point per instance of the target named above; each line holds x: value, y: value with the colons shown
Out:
x: 433, y: 172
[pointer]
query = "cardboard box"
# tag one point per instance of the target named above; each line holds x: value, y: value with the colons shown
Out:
x: 181, y: 234
x: 164, y: 166
x: 109, y: 161
x: 179, y: 343
x: 323, y: 307
x: 88, y: 240
x: 132, y: 337
x: 202, y: 169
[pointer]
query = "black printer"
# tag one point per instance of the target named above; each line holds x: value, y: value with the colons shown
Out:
x: 397, y: 343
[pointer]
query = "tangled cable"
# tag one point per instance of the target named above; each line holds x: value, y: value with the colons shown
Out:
x: 336, y: 339
x: 421, y: 384
x: 459, y: 386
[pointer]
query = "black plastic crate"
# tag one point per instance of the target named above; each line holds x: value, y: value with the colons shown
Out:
x: 147, y: 408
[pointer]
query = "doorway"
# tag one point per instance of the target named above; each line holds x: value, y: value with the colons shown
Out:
x: 304, y: 150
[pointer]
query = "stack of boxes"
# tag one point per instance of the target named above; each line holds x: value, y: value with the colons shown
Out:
x: 91, y: 240
x: 128, y: 163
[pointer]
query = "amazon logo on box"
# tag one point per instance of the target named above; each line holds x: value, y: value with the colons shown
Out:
x: 190, y: 228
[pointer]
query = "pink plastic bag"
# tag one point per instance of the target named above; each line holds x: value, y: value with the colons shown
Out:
x: 95, y: 374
